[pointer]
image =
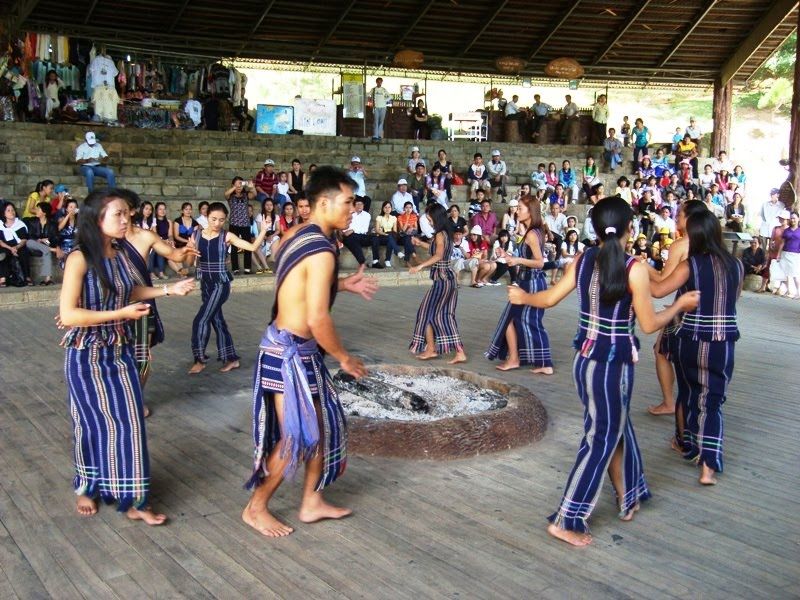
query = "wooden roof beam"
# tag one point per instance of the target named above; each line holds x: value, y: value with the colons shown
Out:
x: 417, y: 20
x: 701, y: 14
x: 622, y: 30
x: 259, y: 21
x: 555, y: 26
x: 90, y: 13
x: 19, y: 12
x: 487, y: 23
x: 775, y: 15
x: 178, y: 15
x: 332, y: 30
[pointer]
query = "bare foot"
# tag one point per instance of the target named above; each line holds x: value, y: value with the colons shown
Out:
x: 147, y: 515
x: 508, y: 365
x: 707, y: 476
x: 322, y: 510
x: 426, y: 355
x: 264, y: 522
x: 145, y: 411
x: 229, y: 366
x: 571, y: 537
x: 628, y: 516
x: 197, y: 368
x: 674, y: 445
x: 661, y: 409
x: 460, y: 357
x: 542, y: 371
x: 86, y: 506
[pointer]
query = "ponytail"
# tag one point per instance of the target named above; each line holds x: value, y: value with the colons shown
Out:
x: 613, y: 274
x: 611, y: 218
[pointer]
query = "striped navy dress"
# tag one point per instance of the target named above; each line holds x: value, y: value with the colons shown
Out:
x: 293, y: 366
x: 703, y: 357
x: 147, y: 330
x: 105, y: 397
x: 533, y: 343
x: 215, y: 288
x: 438, y: 308
x: 606, y: 350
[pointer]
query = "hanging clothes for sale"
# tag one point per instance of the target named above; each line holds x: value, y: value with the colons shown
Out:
x: 105, y: 100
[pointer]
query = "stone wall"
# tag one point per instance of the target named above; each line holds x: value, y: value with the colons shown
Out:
x: 176, y: 166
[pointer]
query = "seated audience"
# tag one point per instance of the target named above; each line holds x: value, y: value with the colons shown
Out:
x: 43, y: 239
x: 478, y: 249
x: 478, y: 176
x: 265, y: 181
x: 386, y: 235
x: 15, y: 268
x: 457, y: 222
x: 497, y: 266
x: 461, y: 259
x: 358, y: 235
x: 401, y: 196
x: 734, y: 214
x: 486, y: 220
x: 498, y: 174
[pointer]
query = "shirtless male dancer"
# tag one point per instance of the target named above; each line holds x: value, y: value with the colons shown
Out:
x: 678, y: 252
x: 297, y: 416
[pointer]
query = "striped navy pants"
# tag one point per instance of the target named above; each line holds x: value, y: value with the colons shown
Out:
x: 704, y: 370
x: 214, y: 295
x: 605, y: 391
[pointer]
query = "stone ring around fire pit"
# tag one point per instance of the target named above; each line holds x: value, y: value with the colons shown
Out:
x: 521, y: 421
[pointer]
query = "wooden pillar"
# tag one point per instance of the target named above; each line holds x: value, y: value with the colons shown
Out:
x: 723, y: 96
x: 794, y: 135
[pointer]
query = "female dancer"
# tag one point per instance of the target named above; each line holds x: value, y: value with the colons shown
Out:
x: 612, y: 288
x: 520, y: 337
x: 704, y: 342
x: 677, y: 254
x: 436, y: 331
x: 215, y: 280
x: 105, y: 396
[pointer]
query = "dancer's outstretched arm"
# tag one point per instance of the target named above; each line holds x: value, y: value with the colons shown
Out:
x: 676, y: 279
x: 549, y: 297
x: 650, y: 320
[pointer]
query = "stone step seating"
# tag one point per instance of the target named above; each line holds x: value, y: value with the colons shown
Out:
x: 176, y: 166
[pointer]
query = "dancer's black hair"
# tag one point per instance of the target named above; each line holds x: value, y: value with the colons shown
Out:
x: 693, y: 207
x: 326, y: 180
x: 438, y: 216
x: 218, y: 206
x: 90, y: 235
x: 611, y: 219
x: 705, y: 237
x: 132, y: 198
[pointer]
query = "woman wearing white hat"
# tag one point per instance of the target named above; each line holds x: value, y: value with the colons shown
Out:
x: 411, y: 166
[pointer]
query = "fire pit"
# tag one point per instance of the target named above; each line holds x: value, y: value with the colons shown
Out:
x: 437, y: 413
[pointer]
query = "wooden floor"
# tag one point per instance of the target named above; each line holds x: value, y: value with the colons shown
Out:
x: 470, y: 528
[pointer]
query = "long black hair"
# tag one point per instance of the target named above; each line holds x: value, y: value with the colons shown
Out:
x: 438, y: 216
x: 611, y: 219
x: 140, y: 218
x: 90, y: 236
x: 705, y: 237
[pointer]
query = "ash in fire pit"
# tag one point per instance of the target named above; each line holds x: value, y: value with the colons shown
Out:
x: 424, y: 397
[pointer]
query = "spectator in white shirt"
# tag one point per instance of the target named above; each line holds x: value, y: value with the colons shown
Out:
x: 664, y: 220
x: 769, y: 217
x: 93, y: 159
x: 557, y: 223
x: 498, y: 174
x: 568, y: 113
x: 400, y: 197
x: 478, y: 176
x: 380, y: 98
x: 460, y: 259
x: 358, y: 235
x: 722, y: 163
x: 707, y: 179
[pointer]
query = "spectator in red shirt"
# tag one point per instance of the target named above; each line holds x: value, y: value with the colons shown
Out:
x: 486, y: 220
x: 266, y: 180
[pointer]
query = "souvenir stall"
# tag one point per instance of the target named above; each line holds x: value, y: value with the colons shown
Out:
x: 55, y: 78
